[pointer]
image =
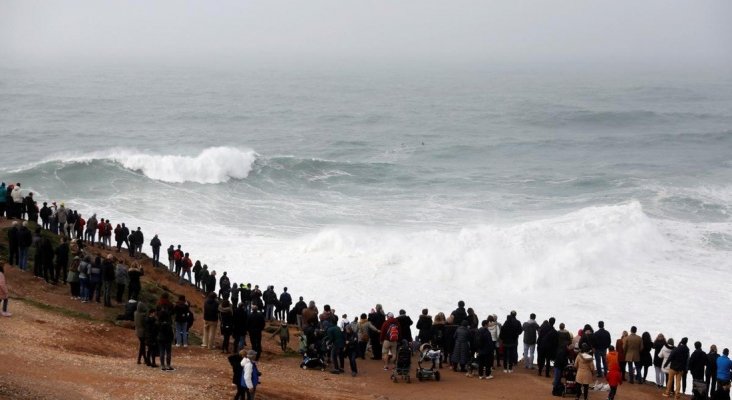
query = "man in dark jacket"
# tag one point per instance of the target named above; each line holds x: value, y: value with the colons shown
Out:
x: 108, y: 272
x: 13, y: 250
x: 299, y: 306
x: 255, y: 326
x: 45, y: 215
x: 677, y: 363
x: 459, y: 314
x: 240, y: 327
x: 62, y: 260
x: 285, y: 303
x: 509, y: 335
x: 697, y: 362
x: 270, y: 299
x: 602, y: 341
x: 25, y: 240
x: 155, y: 244
x: 548, y: 347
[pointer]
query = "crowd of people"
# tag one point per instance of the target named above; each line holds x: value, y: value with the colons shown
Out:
x: 465, y: 342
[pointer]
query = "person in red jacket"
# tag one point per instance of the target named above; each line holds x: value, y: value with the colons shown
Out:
x: 389, y: 339
x: 614, y: 377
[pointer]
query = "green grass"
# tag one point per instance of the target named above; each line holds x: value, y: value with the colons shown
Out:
x: 57, y: 310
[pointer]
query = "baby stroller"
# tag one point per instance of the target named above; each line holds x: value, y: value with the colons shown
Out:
x: 403, y: 363
x: 427, y: 355
x: 569, y: 374
x: 312, y: 358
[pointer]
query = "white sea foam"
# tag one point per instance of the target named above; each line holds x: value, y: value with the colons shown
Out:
x: 212, y: 165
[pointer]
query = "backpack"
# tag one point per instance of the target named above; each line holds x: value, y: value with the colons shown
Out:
x: 177, y: 255
x: 393, y: 333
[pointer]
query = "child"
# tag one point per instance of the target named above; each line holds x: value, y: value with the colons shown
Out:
x: 284, y: 335
x: 3, y: 290
x: 614, y: 377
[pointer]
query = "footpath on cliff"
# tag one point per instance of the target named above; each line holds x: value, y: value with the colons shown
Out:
x: 54, y: 347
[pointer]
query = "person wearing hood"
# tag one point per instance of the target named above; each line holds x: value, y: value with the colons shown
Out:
x: 665, y: 353
x: 17, y: 196
x: 509, y: 336
x: 614, y: 377
x: 249, y: 376
x: 226, y: 318
x: 424, y: 326
x: 530, y: 329
x: 389, y: 337
x: 548, y: 345
x: 585, y: 366
x: 405, y: 327
x: 461, y: 352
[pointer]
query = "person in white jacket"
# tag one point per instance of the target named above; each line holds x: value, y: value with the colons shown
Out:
x: 17, y: 197
x: 249, y: 375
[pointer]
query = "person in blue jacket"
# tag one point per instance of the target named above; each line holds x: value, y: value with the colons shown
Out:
x: 724, y: 366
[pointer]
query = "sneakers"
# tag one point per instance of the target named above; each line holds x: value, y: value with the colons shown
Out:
x: 505, y: 371
x: 481, y: 377
x: 6, y: 314
x: 489, y: 377
x: 185, y: 345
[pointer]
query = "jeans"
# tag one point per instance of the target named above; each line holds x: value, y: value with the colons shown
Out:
x: 156, y: 257
x: 165, y: 353
x: 141, y: 353
x: 171, y: 265
x: 529, y: 355
x: 107, y: 293
x: 5, y: 305
x: 269, y: 312
x: 183, y: 274
x: 660, y: 377
x: 557, y: 376
x: 84, y: 287
x: 181, y: 333
x: 23, y: 255
x: 352, y: 361
x: 335, y: 356
x: 601, y: 362
x: 509, y: 356
x: 634, y: 371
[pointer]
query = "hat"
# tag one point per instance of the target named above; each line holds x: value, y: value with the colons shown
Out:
x: 251, y: 354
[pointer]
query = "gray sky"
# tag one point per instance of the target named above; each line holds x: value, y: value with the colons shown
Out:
x: 631, y: 32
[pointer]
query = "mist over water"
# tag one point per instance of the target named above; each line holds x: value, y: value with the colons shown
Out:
x: 580, y: 197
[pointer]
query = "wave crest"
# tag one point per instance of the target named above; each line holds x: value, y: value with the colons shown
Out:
x: 212, y: 165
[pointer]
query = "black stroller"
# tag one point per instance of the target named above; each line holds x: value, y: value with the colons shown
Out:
x: 569, y: 374
x: 403, y: 363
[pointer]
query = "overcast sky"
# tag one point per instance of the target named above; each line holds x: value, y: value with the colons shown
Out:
x: 633, y: 32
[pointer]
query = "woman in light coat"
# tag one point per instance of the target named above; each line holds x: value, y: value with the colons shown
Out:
x: 585, y: 365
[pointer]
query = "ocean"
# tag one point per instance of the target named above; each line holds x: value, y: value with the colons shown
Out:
x: 570, y: 195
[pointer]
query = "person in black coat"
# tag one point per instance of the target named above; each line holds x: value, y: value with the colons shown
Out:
x: 62, y: 260
x: 377, y: 319
x: 509, y: 335
x: 240, y: 327
x: 45, y: 215
x: 548, y: 344
x: 602, y: 340
x: 711, y: 371
x: 255, y: 326
x: 485, y: 350
x: 677, y: 362
x: 45, y: 257
x: 13, y: 250
x: 235, y: 362
x: 25, y: 240
x: 405, y: 327
x: 697, y: 362
x: 459, y: 315
x: 424, y: 325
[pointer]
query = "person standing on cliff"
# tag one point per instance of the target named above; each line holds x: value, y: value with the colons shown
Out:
x: 155, y: 244
x: 4, y: 290
x: 255, y: 326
